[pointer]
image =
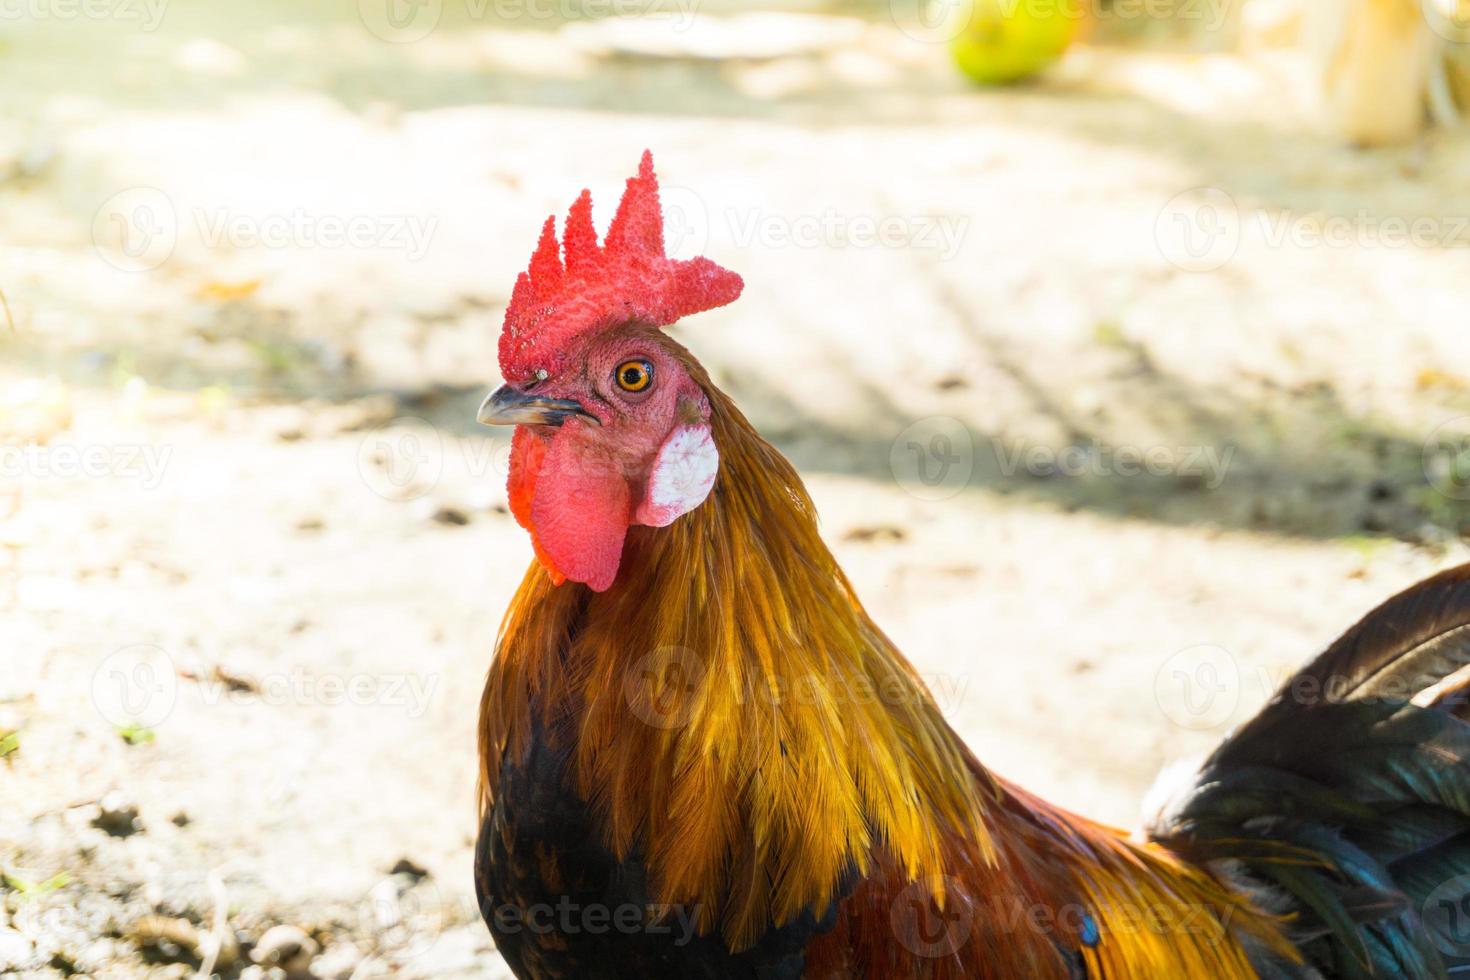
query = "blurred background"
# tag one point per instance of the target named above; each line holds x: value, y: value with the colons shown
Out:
x: 1124, y: 345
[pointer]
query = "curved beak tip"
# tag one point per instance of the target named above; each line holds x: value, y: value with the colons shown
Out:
x: 511, y: 406
x: 488, y: 413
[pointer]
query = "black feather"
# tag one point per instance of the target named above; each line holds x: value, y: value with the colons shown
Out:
x: 1350, y: 800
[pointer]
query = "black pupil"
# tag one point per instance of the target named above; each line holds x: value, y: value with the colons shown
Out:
x: 632, y: 376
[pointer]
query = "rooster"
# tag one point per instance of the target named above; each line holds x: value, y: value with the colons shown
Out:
x: 701, y: 758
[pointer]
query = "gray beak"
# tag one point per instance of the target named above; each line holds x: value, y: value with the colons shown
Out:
x: 511, y: 406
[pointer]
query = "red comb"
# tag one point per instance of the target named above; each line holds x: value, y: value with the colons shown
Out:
x: 627, y: 277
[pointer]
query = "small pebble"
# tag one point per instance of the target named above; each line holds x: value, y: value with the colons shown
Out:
x: 450, y: 517
x: 877, y: 532
x: 339, y: 962
x: 410, y: 868
x: 117, y: 815
x: 287, y: 947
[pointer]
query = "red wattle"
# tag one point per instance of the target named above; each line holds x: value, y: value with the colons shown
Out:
x: 576, y: 506
x: 527, y: 452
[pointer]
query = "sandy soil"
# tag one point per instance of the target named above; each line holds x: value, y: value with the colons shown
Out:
x: 1120, y: 394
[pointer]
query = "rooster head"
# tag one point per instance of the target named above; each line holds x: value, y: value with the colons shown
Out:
x: 611, y: 429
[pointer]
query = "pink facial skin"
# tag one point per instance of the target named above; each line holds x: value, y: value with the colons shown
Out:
x: 579, y: 487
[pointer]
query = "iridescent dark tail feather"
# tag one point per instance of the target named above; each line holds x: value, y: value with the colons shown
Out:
x: 1345, y: 804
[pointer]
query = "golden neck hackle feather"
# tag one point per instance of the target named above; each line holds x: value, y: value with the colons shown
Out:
x: 731, y: 709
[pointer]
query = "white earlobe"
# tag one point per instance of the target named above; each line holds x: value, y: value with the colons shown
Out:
x: 682, y: 476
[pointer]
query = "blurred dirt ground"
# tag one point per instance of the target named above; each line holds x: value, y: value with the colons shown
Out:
x: 1104, y: 449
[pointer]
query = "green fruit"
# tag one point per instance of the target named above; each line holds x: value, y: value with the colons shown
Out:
x: 1000, y: 41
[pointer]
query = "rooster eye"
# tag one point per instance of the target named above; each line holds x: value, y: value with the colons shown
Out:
x: 634, y: 376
